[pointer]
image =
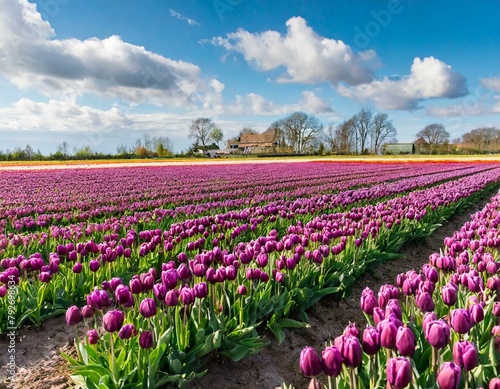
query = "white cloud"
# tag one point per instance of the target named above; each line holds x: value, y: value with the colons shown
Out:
x: 30, y: 57
x: 492, y: 83
x: 458, y: 110
x: 307, y: 57
x: 429, y: 78
x: 179, y: 16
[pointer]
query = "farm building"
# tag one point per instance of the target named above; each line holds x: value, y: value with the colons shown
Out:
x: 400, y: 148
x: 264, y: 143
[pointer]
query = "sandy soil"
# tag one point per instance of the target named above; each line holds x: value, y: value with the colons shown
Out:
x: 40, y: 365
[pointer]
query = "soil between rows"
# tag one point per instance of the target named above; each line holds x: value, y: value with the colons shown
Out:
x: 39, y: 364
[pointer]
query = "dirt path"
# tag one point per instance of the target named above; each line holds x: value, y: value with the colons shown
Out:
x: 40, y: 365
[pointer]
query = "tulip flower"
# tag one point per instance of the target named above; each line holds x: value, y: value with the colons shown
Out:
x: 460, y: 320
x: 113, y: 320
x: 449, y: 293
x: 127, y: 331
x: 94, y: 265
x: 309, y: 361
x: 494, y: 383
x: 87, y: 311
x: 147, y: 308
x: 371, y: 340
x: 171, y: 299
x: 77, y: 268
x: 331, y: 361
x: 350, y: 349
x: 398, y: 372
x: 496, y: 308
x: 437, y: 333
x: 388, y: 333
x: 73, y: 316
x: 465, y: 355
x: 424, y: 302
x: 449, y: 376
x: 477, y: 313
x: 242, y: 290
x: 146, y: 340
x: 368, y: 303
x: 92, y: 336
x: 405, y: 341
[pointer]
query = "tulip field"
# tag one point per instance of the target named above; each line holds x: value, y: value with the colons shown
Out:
x: 160, y: 268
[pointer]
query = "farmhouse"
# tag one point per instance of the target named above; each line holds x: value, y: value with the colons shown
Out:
x: 264, y: 143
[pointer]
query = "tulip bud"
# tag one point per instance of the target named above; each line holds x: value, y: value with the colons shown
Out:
x: 398, y: 372
x: 309, y: 361
x: 449, y: 293
x: 449, y: 376
x: 477, y: 313
x: 242, y: 290
x: 460, y: 320
x: 94, y: 265
x: 146, y: 339
x: 496, y: 308
x: 171, y: 299
x: 147, y: 308
x: 73, y: 316
x: 494, y: 383
x: 113, y: 320
x: 424, y: 302
x: 331, y: 361
x: 87, y: 311
x: 350, y: 349
x: 127, y: 331
x: 405, y: 341
x: 437, y: 333
x: 465, y: 355
x: 135, y: 285
x: 92, y: 336
x: 77, y: 268
x: 368, y: 303
x: 371, y: 340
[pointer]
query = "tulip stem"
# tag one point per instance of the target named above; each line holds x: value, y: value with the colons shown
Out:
x: 77, y: 344
x: 112, y: 350
x: 352, y: 378
x: 435, y: 358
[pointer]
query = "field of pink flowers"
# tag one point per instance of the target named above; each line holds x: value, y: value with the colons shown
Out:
x: 162, y: 267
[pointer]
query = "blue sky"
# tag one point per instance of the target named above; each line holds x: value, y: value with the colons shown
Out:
x: 103, y: 73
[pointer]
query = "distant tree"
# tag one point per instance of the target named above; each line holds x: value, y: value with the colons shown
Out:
x: 329, y: 137
x: 217, y: 136
x: 201, y: 130
x: 63, y: 148
x: 382, y: 130
x: 482, y: 138
x: 29, y: 152
x: 121, y: 149
x: 363, y: 125
x: 163, y: 146
x: 84, y: 152
x: 435, y: 135
x: 345, y: 137
x: 301, y: 131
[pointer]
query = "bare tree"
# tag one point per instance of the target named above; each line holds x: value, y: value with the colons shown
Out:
x: 302, y: 131
x: 434, y: 134
x: 482, y: 138
x: 201, y: 129
x: 382, y: 131
x: 63, y: 148
x: 329, y: 137
x: 363, y: 125
x: 345, y: 137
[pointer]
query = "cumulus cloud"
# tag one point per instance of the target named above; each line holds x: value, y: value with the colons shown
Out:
x: 31, y: 57
x: 179, y: 16
x: 458, y: 110
x: 492, y: 83
x: 54, y: 115
x: 307, y: 57
x: 429, y: 78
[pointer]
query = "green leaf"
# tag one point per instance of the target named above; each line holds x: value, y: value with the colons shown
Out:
x: 290, y: 323
x: 278, y: 332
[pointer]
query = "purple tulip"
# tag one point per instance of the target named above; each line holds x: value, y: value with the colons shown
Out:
x: 73, y: 316
x: 368, y: 303
x: 3, y: 291
x: 77, y: 268
x: 124, y: 296
x: 494, y: 383
x: 87, y: 312
x: 388, y: 333
x: 127, y: 331
x: 460, y: 320
x: 449, y: 293
x: 242, y: 290
x: 465, y: 355
x: 350, y: 349
x: 437, y: 333
x: 147, y: 308
x: 94, y: 265
x: 160, y: 291
x: 331, y: 361
x: 98, y: 299
x: 371, y: 340
x: 405, y: 341
x: 424, y: 302
x: 351, y: 330
x: 398, y: 372
x: 477, y: 313
x: 496, y: 308
x: 187, y: 296
x: 449, y: 376
x: 393, y: 307
x: 135, y: 285
x: 378, y: 315
x: 146, y: 339
x: 309, y: 361
x: 113, y: 320
x: 171, y: 299
x: 92, y: 336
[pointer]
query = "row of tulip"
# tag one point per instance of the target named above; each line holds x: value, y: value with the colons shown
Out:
x: 38, y: 213
x: 439, y: 325
x: 46, y: 288
x: 216, y: 298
